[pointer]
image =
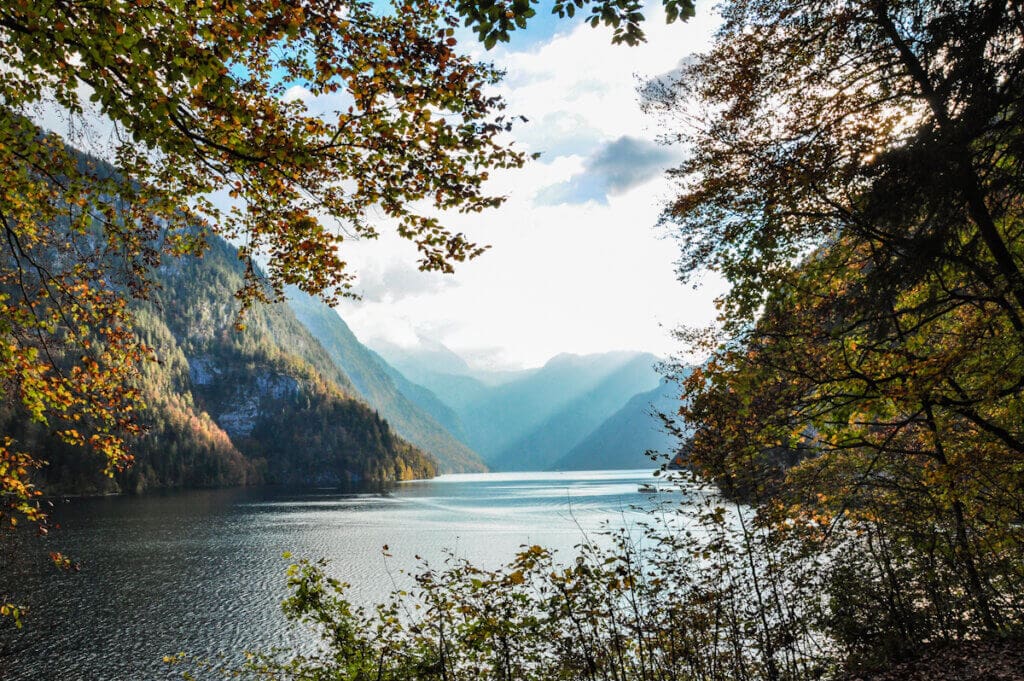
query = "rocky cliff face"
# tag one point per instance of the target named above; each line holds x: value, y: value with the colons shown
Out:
x: 272, y: 388
x: 251, y: 396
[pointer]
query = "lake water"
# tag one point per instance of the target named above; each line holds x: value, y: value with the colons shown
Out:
x: 203, y: 572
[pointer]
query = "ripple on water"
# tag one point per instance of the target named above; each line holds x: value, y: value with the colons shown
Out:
x: 203, y: 571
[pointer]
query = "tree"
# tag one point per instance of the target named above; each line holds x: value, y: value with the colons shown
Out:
x: 903, y: 429
x: 854, y: 171
x: 889, y: 119
x: 196, y: 97
x: 199, y: 101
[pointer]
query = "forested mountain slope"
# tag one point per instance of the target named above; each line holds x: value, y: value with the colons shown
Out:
x: 229, y: 407
x: 386, y: 389
x: 426, y: 400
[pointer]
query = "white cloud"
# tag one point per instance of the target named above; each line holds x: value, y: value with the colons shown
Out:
x: 389, y: 282
x: 297, y: 92
x: 559, y: 278
x: 558, y: 134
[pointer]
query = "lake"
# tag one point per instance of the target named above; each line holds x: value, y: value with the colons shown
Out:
x: 202, y: 571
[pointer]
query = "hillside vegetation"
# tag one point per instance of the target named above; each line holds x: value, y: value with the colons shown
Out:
x: 385, y: 388
x: 231, y: 407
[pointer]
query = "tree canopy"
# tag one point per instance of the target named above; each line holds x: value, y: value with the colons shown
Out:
x: 206, y: 137
x: 854, y: 170
x: 495, y: 21
x: 889, y: 119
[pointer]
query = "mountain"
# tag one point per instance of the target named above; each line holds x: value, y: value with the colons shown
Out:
x: 273, y: 388
x: 511, y: 411
x: 458, y: 392
x: 623, y: 439
x: 544, y: 445
x: 558, y: 415
x: 447, y: 376
x: 399, y: 400
x: 229, y: 407
x: 497, y: 411
x: 425, y: 400
x: 426, y: 356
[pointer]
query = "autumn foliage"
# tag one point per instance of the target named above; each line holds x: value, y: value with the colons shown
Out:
x: 193, y: 99
x: 855, y: 172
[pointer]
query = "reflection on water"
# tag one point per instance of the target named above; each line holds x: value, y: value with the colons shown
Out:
x: 202, y: 571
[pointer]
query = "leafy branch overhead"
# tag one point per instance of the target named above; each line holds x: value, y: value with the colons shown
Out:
x: 494, y: 21
x: 198, y: 95
x: 206, y: 129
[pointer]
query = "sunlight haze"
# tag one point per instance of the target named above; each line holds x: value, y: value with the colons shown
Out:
x: 577, y: 263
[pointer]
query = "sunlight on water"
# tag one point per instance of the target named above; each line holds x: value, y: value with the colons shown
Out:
x: 202, y: 571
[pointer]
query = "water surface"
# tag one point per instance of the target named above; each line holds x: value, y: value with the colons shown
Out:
x: 203, y: 572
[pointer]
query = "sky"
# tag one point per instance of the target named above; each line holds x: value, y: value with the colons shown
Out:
x: 577, y: 263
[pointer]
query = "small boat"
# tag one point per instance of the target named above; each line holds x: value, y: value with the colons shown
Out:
x: 647, y: 488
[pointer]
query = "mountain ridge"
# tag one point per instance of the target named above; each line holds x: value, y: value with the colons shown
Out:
x: 548, y: 442
x: 384, y: 387
x: 624, y: 438
x: 534, y: 419
x: 227, y: 407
